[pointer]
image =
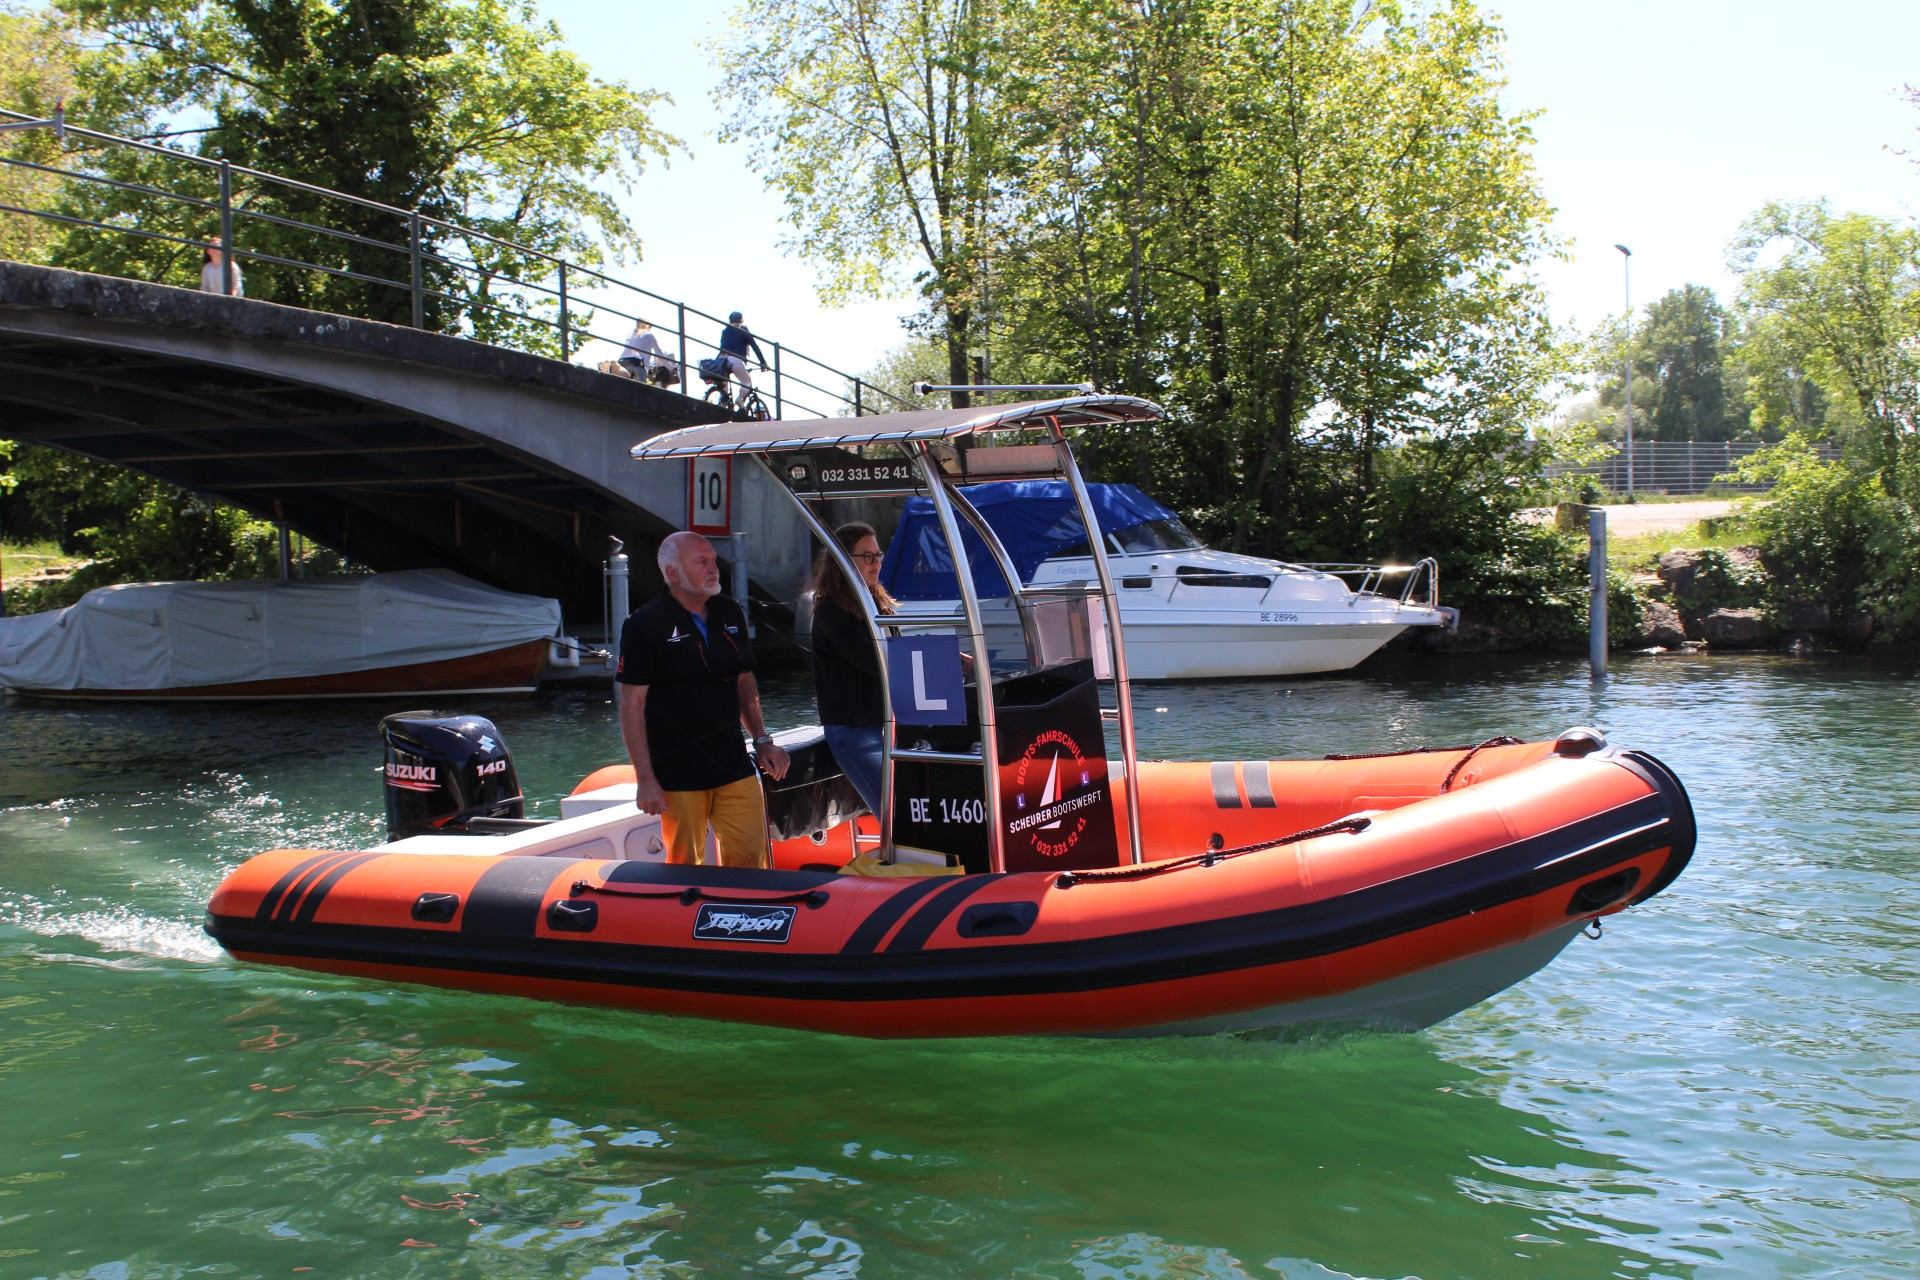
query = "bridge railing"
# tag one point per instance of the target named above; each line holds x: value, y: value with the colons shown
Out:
x: 429, y: 272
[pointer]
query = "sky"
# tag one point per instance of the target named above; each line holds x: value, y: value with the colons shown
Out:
x: 1662, y: 125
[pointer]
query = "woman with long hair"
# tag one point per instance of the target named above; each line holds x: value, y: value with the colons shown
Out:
x: 846, y: 664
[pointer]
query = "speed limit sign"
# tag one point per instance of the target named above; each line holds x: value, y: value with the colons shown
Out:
x: 710, y: 495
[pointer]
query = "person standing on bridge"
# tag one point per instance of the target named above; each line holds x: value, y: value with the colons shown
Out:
x: 213, y: 279
x: 686, y: 685
x: 735, y: 342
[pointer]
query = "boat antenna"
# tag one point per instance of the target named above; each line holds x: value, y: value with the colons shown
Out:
x: 1084, y: 388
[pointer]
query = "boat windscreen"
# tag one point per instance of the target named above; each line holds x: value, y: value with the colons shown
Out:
x: 1033, y: 519
x: 1156, y: 535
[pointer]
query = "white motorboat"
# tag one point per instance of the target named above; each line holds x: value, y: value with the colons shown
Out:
x: 1189, y: 612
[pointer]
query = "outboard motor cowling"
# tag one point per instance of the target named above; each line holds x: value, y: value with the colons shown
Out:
x: 445, y: 769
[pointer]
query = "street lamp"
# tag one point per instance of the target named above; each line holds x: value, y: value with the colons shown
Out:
x: 1626, y: 268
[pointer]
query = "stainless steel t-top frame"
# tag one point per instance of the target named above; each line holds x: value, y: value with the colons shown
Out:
x: 929, y: 462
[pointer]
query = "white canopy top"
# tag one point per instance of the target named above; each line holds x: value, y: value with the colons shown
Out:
x: 921, y: 424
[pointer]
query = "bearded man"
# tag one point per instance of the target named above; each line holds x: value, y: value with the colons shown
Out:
x: 686, y: 686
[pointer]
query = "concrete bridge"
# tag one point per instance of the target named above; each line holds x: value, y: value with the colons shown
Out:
x: 401, y: 448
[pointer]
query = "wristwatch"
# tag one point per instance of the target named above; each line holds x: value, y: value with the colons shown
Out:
x: 765, y: 737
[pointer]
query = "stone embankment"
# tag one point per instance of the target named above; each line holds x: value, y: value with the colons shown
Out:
x: 1683, y: 605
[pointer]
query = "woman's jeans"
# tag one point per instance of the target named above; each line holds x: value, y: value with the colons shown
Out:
x: 856, y: 747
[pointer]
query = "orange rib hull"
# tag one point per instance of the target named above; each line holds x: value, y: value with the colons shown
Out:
x: 1466, y: 872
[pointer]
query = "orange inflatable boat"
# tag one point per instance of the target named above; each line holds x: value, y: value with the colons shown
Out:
x: 1025, y: 872
x: 1390, y: 891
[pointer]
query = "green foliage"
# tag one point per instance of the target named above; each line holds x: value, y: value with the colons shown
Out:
x: 1537, y: 578
x: 473, y: 112
x: 1835, y: 300
x: 129, y: 528
x: 1308, y: 236
x: 879, y: 124
x: 1626, y: 609
x: 919, y: 359
x: 1831, y: 532
x: 37, y: 60
x: 1722, y: 582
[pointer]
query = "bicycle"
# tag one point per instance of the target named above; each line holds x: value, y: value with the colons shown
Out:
x: 718, y: 376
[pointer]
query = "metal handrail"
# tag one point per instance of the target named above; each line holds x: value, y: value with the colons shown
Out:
x: 550, y: 304
x: 1373, y: 577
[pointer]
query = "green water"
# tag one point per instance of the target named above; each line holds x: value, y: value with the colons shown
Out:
x: 1724, y: 1085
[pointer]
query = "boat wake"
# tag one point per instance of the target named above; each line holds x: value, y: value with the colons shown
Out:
x: 126, y: 937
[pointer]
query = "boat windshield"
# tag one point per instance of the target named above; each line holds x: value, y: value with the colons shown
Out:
x: 1157, y: 535
x: 1139, y: 539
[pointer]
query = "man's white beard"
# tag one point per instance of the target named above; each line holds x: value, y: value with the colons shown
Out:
x: 680, y: 580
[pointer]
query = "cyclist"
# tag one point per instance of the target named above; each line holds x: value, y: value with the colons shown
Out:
x: 735, y: 342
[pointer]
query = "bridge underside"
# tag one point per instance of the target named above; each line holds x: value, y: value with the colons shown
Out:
x: 400, y: 449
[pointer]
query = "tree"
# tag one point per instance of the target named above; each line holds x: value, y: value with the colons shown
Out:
x: 875, y: 120
x: 473, y: 112
x: 37, y: 60
x: 1680, y: 344
x: 1306, y: 230
x: 1838, y: 297
x: 1684, y: 385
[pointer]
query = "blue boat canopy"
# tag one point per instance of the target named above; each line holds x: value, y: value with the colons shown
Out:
x: 1033, y: 519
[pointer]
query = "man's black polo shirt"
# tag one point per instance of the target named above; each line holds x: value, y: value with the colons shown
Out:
x: 693, y: 695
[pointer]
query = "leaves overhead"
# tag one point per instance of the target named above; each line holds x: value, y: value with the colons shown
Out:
x: 469, y: 111
x: 1305, y: 226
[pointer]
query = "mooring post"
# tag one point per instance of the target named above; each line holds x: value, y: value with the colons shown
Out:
x: 1597, y: 590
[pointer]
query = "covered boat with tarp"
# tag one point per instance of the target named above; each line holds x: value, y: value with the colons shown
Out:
x: 420, y: 631
x: 1026, y: 872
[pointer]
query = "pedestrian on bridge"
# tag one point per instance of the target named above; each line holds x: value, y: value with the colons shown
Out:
x: 645, y: 359
x: 213, y: 279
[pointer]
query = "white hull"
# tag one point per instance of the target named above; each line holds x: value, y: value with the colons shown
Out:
x: 1180, y: 627
x: 1168, y: 649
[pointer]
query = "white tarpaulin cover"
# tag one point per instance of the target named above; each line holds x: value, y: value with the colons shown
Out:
x: 176, y: 635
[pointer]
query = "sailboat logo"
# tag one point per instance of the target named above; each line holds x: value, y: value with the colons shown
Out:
x: 1050, y: 793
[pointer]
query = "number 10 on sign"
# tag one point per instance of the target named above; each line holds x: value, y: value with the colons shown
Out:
x: 710, y: 495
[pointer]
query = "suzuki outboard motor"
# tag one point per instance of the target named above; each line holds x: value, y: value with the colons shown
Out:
x: 444, y: 770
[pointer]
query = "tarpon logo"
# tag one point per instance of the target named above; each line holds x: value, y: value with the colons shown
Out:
x: 413, y: 777
x: 491, y: 767
x: 735, y: 923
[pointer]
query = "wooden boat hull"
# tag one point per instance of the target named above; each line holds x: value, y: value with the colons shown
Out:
x: 1471, y: 871
x: 509, y: 670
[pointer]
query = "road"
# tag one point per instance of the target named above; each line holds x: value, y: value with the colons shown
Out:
x: 1632, y: 519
